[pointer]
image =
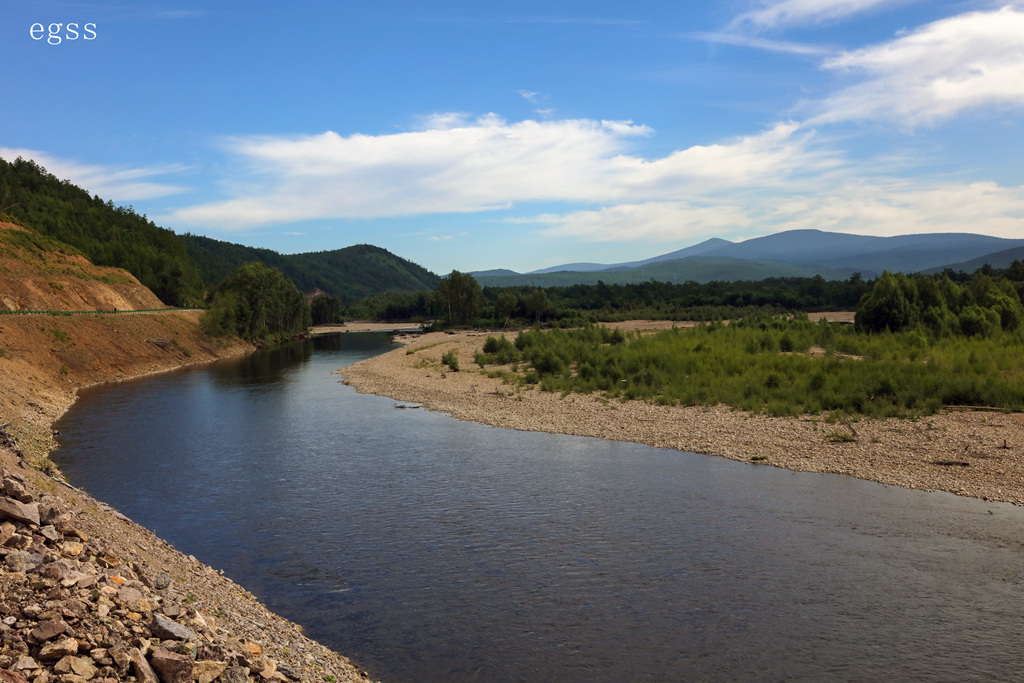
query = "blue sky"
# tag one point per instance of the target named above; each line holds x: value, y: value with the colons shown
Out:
x: 476, y: 135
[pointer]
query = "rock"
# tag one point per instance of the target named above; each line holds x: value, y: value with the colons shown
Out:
x: 56, y: 650
x: 129, y: 594
x: 11, y: 677
x: 207, y: 671
x: 6, y: 531
x: 289, y: 672
x: 143, y: 671
x: 48, y: 630
x: 162, y: 627
x: 80, y: 666
x: 170, y: 666
x: 26, y: 664
x: 50, y: 533
x: 235, y: 674
x: 16, y: 489
x: 122, y: 658
x: 19, y: 561
x: 18, y: 511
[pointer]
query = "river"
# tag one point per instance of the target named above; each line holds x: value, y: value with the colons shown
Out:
x: 429, y: 549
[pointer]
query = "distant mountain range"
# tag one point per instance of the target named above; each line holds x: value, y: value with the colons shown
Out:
x: 794, y: 253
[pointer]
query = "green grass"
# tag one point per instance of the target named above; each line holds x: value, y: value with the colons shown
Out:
x: 765, y: 366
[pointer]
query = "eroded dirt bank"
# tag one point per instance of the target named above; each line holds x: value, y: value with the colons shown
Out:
x: 973, y: 453
x: 86, y: 594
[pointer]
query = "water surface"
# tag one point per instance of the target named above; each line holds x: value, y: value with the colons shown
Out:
x: 429, y: 549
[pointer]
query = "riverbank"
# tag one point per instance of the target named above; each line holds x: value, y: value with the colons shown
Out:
x: 969, y: 453
x: 86, y: 594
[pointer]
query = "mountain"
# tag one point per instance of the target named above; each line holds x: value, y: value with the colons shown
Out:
x: 695, y: 250
x: 349, y: 273
x: 178, y: 268
x: 793, y: 253
x: 999, y: 259
x: 696, y: 268
x: 492, y: 272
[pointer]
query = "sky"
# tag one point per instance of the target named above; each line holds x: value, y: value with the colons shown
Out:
x: 523, y: 135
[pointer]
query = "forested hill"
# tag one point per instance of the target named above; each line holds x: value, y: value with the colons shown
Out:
x: 180, y: 269
x: 106, y: 234
x: 349, y: 273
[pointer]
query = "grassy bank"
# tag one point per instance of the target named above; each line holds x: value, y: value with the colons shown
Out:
x: 778, y: 367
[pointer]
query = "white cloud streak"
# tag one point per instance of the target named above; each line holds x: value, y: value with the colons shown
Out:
x: 740, y: 40
x: 459, y: 166
x: 880, y: 208
x: 117, y: 184
x: 964, y: 62
x: 776, y: 14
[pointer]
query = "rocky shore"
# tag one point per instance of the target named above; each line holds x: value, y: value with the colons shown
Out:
x: 969, y: 453
x: 85, y: 593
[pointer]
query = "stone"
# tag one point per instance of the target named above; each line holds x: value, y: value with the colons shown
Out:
x: 26, y: 664
x: 6, y: 531
x: 108, y: 561
x: 18, y: 511
x: 207, y: 671
x: 48, y: 630
x: 7, y: 676
x: 71, y: 548
x: 56, y: 650
x: 122, y: 658
x: 235, y: 674
x: 19, y: 560
x: 79, y: 666
x: 170, y: 666
x: 50, y: 533
x: 129, y: 594
x: 162, y: 627
x: 289, y: 671
x: 143, y: 671
x: 16, y: 489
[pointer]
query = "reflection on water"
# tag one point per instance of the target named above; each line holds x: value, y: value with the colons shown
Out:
x: 436, y: 550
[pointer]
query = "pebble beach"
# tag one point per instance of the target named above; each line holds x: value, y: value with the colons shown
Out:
x: 968, y: 453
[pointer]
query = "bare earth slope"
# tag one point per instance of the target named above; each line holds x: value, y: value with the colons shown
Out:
x: 86, y: 594
x: 976, y: 454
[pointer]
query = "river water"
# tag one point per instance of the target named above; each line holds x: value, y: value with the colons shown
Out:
x: 429, y: 549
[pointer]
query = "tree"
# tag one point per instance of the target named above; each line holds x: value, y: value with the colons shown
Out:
x: 459, y: 294
x: 886, y: 306
x: 260, y: 304
x: 325, y: 309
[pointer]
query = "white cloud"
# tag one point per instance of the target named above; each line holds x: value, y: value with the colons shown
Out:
x: 770, y: 45
x: 900, y: 207
x: 779, y: 13
x: 964, y: 62
x: 883, y: 208
x: 117, y: 184
x: 459, y: 166
x: 650, y: 221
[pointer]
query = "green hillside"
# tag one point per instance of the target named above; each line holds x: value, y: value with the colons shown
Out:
x: 108, y: 235
x: 349, y: 273
x: 179, y: 269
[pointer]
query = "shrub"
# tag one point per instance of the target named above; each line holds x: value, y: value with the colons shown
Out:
x: 451, y: 359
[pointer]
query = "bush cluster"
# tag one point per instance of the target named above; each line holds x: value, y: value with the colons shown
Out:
x: 767, y: 365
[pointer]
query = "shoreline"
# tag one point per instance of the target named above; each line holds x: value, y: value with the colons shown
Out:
x: 968, y: 453
x: 95, y: 552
